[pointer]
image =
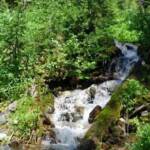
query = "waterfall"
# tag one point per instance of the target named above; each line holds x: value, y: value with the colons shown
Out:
x: 72, y: 108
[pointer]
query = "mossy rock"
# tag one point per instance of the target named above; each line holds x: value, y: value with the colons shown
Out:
x: 108, y: 116
x: 129, y: 95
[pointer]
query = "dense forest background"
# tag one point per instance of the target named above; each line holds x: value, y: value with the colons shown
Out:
x: 45, y: 40
x: 59, y: 39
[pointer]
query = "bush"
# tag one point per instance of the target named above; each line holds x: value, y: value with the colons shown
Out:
x: 143, y: 141
x: 57, y: 39
x: 130, y: 91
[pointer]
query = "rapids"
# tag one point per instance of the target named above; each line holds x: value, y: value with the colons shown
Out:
x: 72, y: 108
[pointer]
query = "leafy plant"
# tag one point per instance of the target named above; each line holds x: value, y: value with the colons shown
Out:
x: 130, y: 91
x: 143, y: 141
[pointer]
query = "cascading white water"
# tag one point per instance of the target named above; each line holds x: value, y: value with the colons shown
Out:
x: 72, y: 108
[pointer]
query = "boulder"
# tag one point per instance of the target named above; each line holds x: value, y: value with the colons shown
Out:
x: 91, y: 94
x: 92, y: 91
x: 94, y: 113
x: 76, y: 117
x: 65, y: 117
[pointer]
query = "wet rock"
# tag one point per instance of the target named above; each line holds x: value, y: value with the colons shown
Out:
x: 76, y: 117
x: 79, y: 109
x: 94, y: 113
x: 52, y: 140
x: 91, y: 94
x: 65, y: 117
x: 12, y: 107
x: 92, y: 91
x: 87, y: 145
x: 3, y: 119
x: 3, y: 136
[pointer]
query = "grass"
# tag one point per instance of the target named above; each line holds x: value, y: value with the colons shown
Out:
x: 26, y: 118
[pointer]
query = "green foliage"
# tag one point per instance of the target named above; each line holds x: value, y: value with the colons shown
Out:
x: 13, y: 90
x: 143, y: 141
x: 143, y: 23
x: 123, y: 28
x: 26, y: 117
x: 58, y: 39
x: 129, y: 92
x: 28, y: 114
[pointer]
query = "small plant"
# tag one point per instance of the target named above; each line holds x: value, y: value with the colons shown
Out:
x: 129, y: 94
x: 143, y: 142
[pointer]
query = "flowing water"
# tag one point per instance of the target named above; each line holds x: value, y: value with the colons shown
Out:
x: 72, y: 108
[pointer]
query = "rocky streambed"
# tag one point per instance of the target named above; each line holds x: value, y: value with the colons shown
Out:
x: 75, y: 111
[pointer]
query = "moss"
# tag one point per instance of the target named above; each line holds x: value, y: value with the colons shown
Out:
x: 107, y: 117
x: 130, y: 94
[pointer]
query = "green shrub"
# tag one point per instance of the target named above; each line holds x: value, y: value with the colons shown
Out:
x: 130, y: 91
x: 143, y: 141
